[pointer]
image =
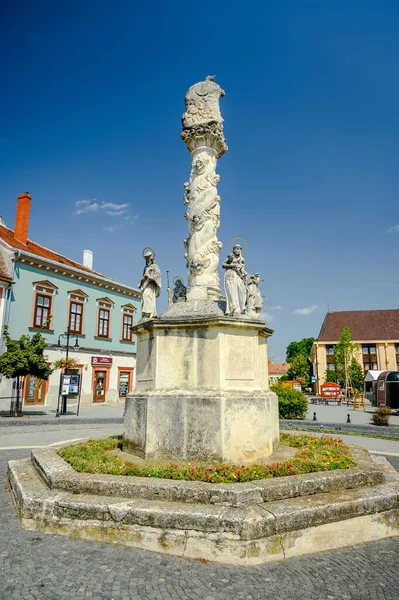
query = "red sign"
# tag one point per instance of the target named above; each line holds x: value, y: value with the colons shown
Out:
x: 101, y: 360
x: 330, y: 390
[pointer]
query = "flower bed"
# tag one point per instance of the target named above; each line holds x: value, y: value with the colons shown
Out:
x: 314, y: 454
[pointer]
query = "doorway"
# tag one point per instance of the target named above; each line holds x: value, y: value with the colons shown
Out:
x: 35, y: 390
x: 99, y: 386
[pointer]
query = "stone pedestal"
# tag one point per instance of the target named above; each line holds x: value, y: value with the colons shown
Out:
x: 202, y: 390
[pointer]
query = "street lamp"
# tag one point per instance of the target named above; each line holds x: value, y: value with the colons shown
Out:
x: 66, y: 336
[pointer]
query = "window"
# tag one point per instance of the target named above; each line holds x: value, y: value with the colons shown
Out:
x: 366, y: 366
x: 42, y: 311
x: 397, y: 348
x: 369, y: 349
x: 127, y: 335
x: 330, y: 350
x: 75, y: 317
x: 331, y: 366
x: 124, y: 383
x: 103, y: 322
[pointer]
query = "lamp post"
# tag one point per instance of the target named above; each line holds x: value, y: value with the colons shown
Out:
x: 66, y: 336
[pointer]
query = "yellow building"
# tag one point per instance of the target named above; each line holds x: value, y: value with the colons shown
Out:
x: 376, y: 332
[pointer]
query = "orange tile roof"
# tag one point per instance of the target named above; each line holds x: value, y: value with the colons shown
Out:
x: 8, y: 236
x: 277, y: 368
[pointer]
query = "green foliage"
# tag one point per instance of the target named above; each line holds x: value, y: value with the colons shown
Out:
x: 299, y: 367
x: 291, y: 403
x: 344, y: 354
x: 381, y: 416
x: 330, y: 376
x: 356, y: 375
x: 298, y: 354
x: 314, y: 454
x: 65, y: 363
x: 24, y: 357
x: 303, y: 347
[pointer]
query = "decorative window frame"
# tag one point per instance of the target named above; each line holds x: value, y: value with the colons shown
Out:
x: 129, y: 370
x: 128, y: 309
x: 77, y: 296
x: 107, y: 304
x: 43, y: 288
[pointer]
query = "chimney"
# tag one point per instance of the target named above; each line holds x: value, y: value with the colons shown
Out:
x: 22, y: 218
x: 88, y: 259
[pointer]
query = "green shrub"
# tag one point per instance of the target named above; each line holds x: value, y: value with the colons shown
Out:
x: 381, y: 416
x: 291, y: 403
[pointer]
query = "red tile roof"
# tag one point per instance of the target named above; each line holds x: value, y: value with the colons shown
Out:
x: 367, y: 325
x: 277, y: 368
x: 4, y: 274
x: 8, y: 236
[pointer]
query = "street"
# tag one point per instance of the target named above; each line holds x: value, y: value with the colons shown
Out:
x: 43, y: 566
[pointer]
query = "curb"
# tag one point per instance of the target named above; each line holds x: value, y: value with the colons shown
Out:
x: 342, y: 427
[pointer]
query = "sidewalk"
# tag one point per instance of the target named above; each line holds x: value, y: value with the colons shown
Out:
x: 42, y: 415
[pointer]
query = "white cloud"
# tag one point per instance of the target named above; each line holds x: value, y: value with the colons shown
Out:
x: 112, y: 228
x: 266, y: 316
x: 393, y: 229
x: 305, y: 311
x: 85, y: 206
x: 111, y: 208
x: 274, y: 307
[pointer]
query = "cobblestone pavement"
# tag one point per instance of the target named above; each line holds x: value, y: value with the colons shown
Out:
x: 40, y: 566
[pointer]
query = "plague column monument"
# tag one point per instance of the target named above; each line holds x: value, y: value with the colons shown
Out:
x: 201, y: 377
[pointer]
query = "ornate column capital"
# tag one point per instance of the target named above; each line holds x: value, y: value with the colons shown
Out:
x: 208, y: 135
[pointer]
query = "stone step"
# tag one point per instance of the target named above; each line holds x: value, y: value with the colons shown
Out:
x: 241, y: 535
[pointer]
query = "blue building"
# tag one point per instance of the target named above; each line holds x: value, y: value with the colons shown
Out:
x: 43, y: 290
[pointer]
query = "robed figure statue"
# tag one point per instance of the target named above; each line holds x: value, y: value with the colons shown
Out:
x: 150, y: 286
x: 236, y: 293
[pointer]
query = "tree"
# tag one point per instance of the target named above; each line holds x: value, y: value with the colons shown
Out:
x: 344, y: 354
x: 299, y: 367
x: 356, y: 375
x: 23, y: 357
x: 330, y: 376
x: 298, y: 355
x: 304, y: 347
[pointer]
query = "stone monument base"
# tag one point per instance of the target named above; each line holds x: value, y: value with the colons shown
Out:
x: 201, y: 388
x: 223, y: 428
x: 237, y: 523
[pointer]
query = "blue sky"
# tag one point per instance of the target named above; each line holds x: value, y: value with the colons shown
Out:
x: 92, y: 95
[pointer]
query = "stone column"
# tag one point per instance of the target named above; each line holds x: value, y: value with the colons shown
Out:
x: 203, y: 135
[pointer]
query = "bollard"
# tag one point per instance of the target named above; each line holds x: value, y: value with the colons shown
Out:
x: 348, y: 418
x: 314, y: 417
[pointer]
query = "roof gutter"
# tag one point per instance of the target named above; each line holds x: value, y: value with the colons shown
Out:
x: 86, y: 274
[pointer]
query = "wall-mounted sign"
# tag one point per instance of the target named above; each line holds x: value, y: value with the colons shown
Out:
x: 101, y: 360
x: 330, y: 390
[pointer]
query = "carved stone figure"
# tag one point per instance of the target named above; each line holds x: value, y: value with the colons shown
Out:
x: 235, y: 289
x: 202, y: 103
x: 179, y: 291
x: 150, y: 285
x: 203, y: 134
x: 254, y: 296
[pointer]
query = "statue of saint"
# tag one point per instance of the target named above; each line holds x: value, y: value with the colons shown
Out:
x: 179, y: 291
x: 150, y: 286
x: 234, y: 286
x: 254, y: 297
